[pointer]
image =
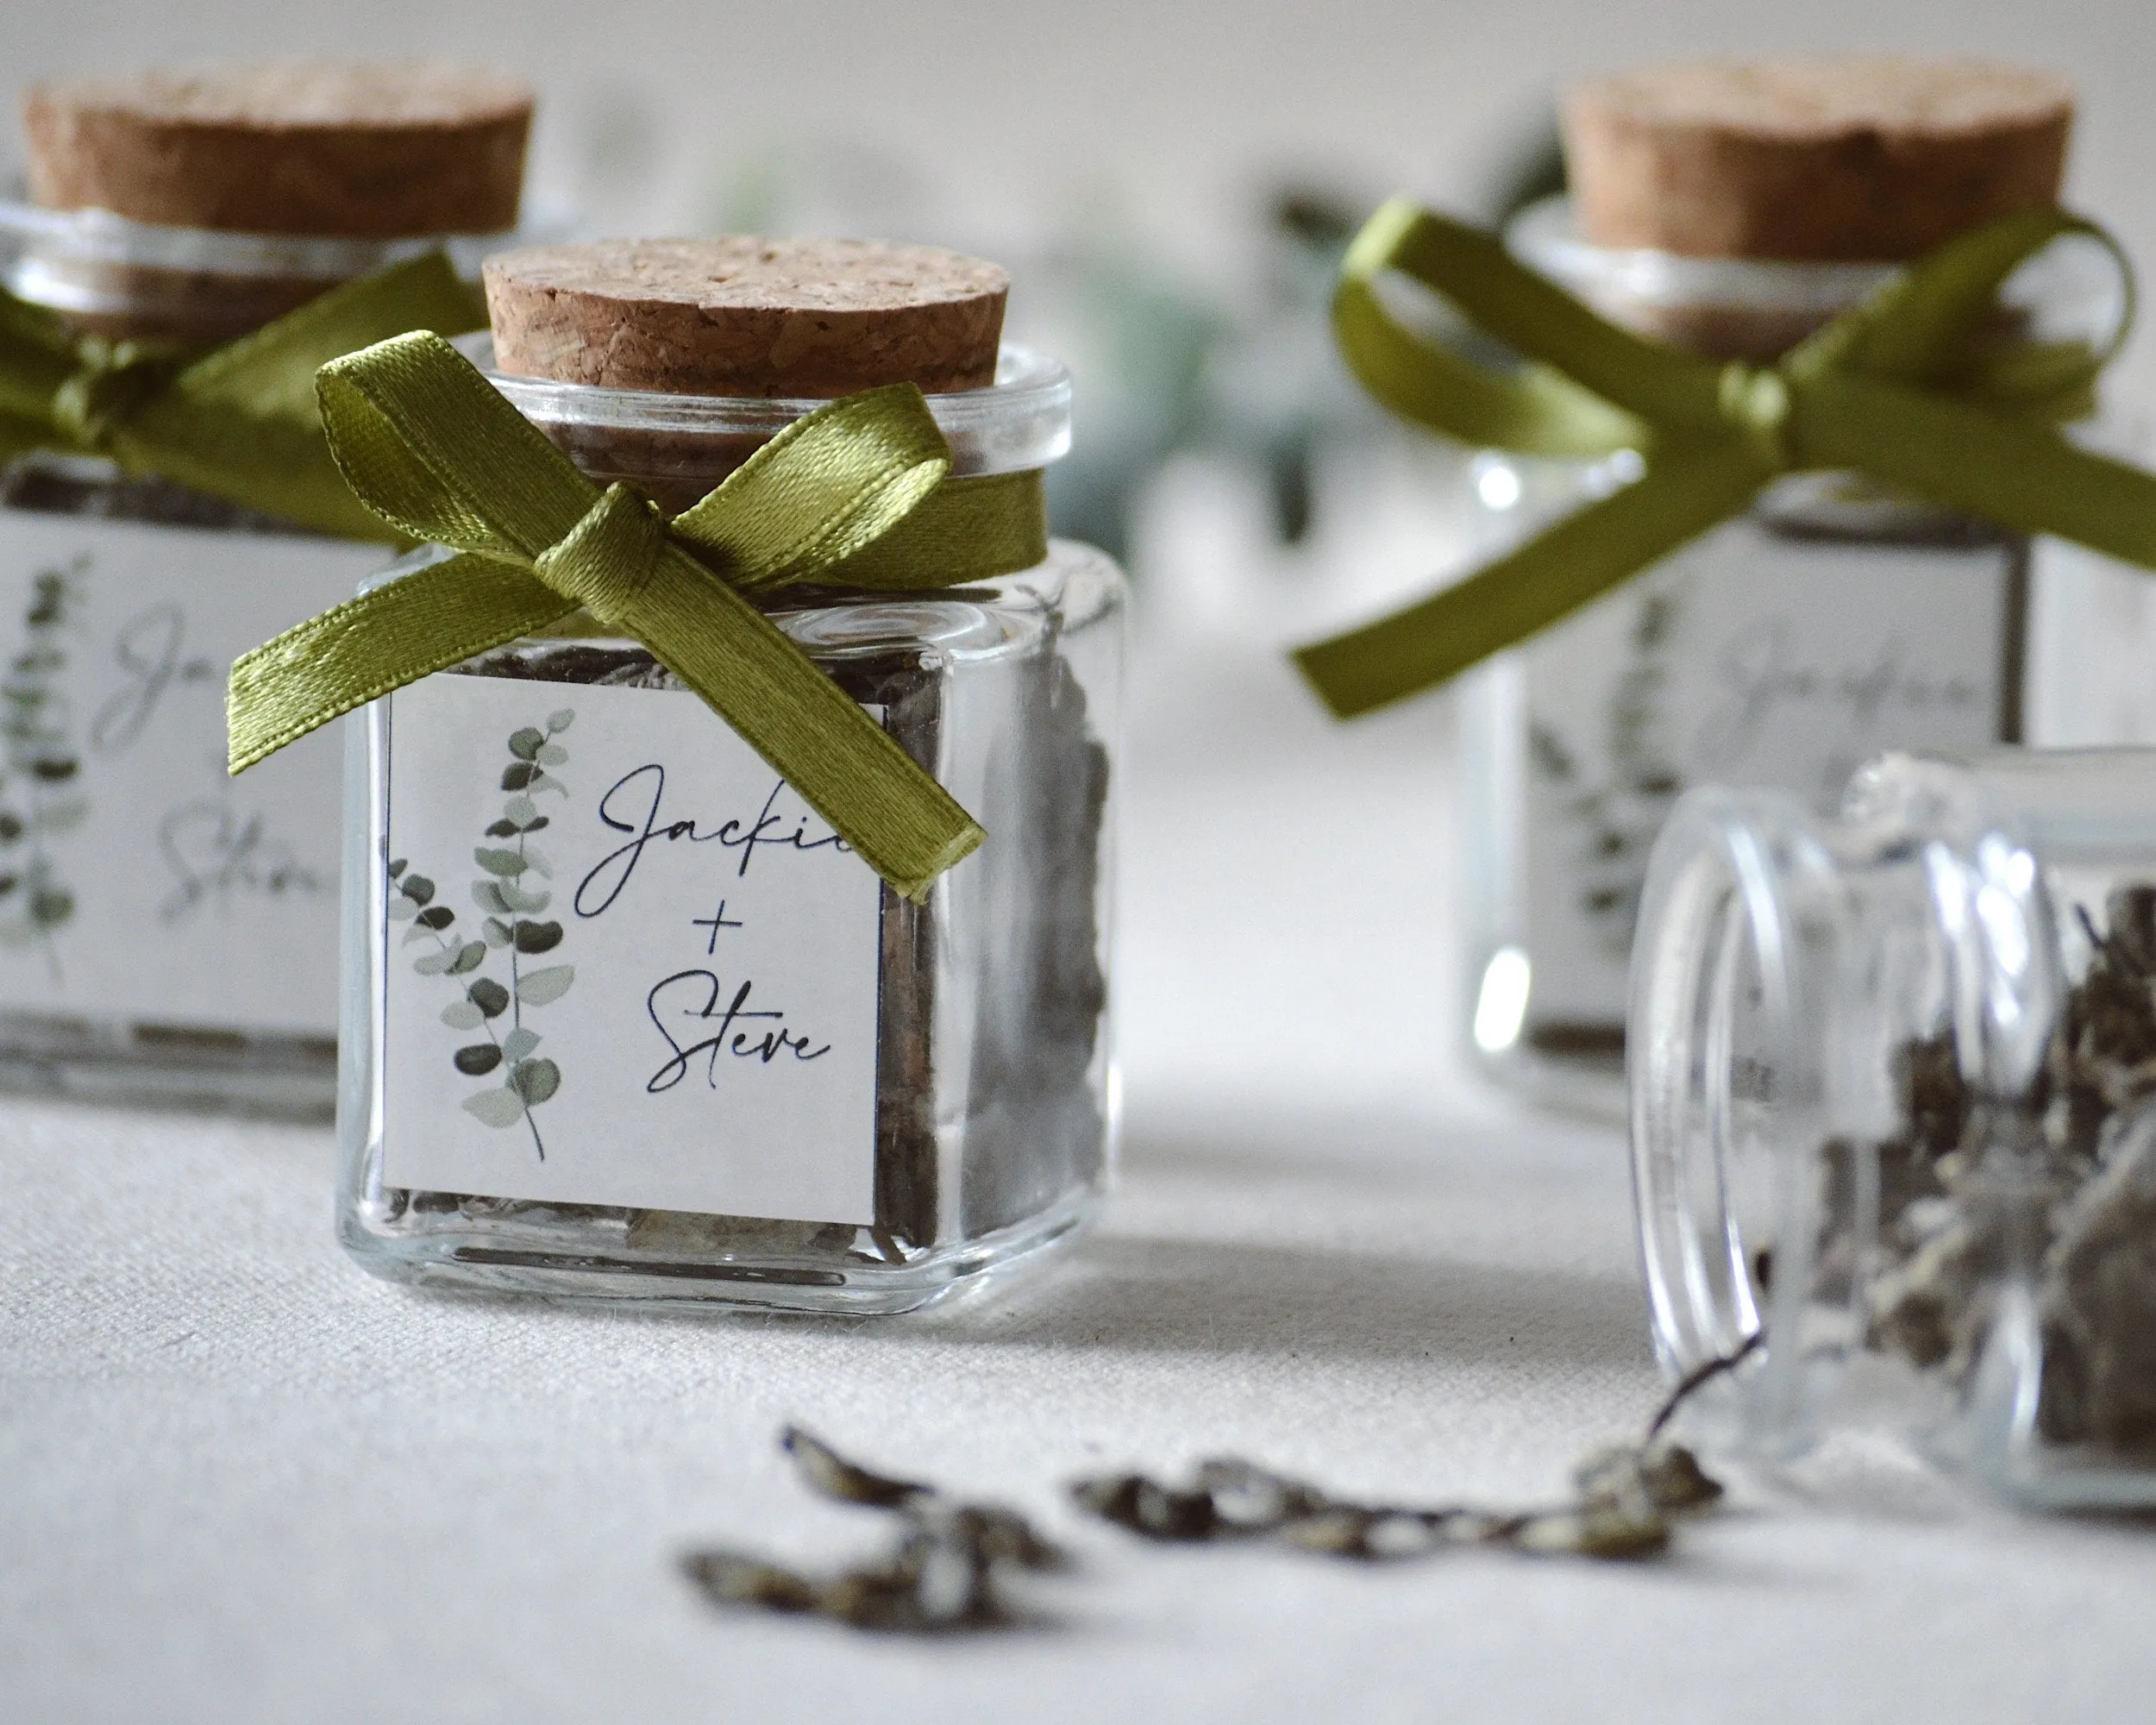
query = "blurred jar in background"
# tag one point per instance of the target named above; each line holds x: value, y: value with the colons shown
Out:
x: 1732, y: 211
x: 168, y: 935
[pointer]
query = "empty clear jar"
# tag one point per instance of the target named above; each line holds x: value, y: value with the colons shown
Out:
x: 167, y: 934
x: 1784, y: 648
x: 1894, y: 1113
x: 741, y: 1070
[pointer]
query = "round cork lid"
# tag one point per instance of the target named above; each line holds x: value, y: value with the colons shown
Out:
x: 377, y: 152
x: 743, y: 316
x: 1876, y: 158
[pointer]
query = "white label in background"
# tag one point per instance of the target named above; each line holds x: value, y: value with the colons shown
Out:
x: 137, y: 880
x: 1748, y: 659
x: 626, y: 964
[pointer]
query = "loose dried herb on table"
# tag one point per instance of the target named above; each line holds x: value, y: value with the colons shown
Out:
x: 947, y: 1570
x: 950, y: 1564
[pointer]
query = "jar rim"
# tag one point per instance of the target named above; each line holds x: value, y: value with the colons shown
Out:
x: 1020, y: 422
x: 1716, y: 927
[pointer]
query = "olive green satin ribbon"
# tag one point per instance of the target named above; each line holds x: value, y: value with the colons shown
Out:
x: 855, y: 494
x: 1909, y: 389
x: 239, y: 421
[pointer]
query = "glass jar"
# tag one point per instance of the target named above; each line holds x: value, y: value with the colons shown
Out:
x: 1894, y: 1113
x: 712, y: 1057
x: 165, y: 932
x: 1828, y: 622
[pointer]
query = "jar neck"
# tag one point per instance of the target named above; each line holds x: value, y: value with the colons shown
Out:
x: 1805, y: 990
x: 1758, y: 309
x: 676, y: 448
x: 135, y: 281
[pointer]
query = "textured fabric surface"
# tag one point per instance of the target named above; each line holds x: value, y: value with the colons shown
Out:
x: 240, y: 1481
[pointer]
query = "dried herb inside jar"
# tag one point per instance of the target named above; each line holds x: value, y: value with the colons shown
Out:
x: 2056, y: 1191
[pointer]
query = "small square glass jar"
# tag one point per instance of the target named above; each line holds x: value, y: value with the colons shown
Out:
x: 166, y: 933
x: 969, y: 1119
x: 1829, y: 622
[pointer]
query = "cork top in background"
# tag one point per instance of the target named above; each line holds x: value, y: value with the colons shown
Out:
x: 743, y: 316
x: 1868, y: 159
x: 369, y: 152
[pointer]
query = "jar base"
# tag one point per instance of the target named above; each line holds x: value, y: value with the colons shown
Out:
x: 1588, y: 1084
x: 175, y: 1067
x: 483, y: 1260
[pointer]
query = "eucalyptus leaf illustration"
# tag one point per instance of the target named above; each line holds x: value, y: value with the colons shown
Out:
x: 541, y: 987
x: 1615, y: 813
x: 498, y: 1108
x: 536, y: 1081
x: 40, y: 767
x: 487, y: 1004
x: 535, y: 938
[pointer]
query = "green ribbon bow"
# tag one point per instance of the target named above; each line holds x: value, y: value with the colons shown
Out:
x: 239, y: 421
x: 856, y: 493
x: 1910, y: 389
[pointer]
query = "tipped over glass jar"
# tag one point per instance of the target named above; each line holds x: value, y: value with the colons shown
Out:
x: 1894, y: 1115
x: 624, y: 1020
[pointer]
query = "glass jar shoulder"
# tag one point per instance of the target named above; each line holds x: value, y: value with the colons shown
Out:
x: 1074, y: 589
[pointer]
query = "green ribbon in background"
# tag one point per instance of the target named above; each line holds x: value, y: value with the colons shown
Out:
x: 239, y: 422
x: 1910, y: 389
x: 855, y: 494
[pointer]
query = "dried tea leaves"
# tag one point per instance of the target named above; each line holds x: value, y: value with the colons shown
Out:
x: 947, y: 1570
x: 943, y: 1573
x: 2057, y: 1188
x: 1627, y: 1501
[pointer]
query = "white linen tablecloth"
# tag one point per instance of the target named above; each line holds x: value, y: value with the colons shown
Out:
x: 240, y: 1480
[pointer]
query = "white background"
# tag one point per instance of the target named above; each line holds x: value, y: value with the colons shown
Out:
x: 1173, y: 110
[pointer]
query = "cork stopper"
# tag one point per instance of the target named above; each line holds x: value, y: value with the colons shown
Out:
x: 1872, y: 158
x: 367, y: 152
x: 741, y: 316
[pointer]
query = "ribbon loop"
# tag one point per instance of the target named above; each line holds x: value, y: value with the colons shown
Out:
x: 1931, y: 387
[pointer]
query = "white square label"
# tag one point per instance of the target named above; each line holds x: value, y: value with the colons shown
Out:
x: 137, y: 880
x: 626, y: 964
x: 1749, y: 658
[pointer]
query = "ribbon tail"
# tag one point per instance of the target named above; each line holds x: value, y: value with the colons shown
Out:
x: 2023, y: 477
x: 366, y: 648
x: 1581, y: 557
x: 843, y: 763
